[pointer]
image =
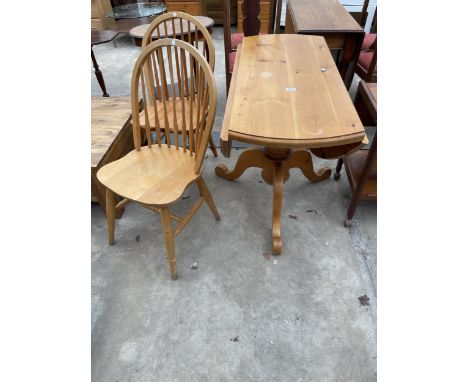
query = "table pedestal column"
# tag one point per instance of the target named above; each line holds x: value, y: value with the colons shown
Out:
x: 275, y: 164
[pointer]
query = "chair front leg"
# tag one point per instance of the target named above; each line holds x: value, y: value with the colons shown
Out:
x: 110, y: 214
x: 207, y: 196
x: 169, y: 239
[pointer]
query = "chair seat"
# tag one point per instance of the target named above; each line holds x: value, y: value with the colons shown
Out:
x: 369, y: 39
x: 170, y: 117
x: 156, y: 176
x: 236, y: 39
x: 232, y: 59
x: 365, y: 59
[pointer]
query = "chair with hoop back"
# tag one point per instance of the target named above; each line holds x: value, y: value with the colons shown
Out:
x: 185, y: 27
x: 181, y: 108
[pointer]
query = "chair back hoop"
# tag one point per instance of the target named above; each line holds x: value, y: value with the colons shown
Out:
x: 171, y: 25
x: 183, y: 109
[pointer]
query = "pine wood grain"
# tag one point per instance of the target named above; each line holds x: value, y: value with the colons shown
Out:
x: 318, y: 112
x: 321, y: 16
x: 153, y: 175
x: 109, y: 116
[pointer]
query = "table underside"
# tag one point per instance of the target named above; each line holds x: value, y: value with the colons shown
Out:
x: 275, y: 164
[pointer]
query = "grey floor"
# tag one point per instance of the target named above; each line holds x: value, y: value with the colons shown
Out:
x: 243, y: 315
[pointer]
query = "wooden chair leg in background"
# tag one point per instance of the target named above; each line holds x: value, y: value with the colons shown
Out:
x: 370, y: 163
x: 339, y: 165
x: 110, y: 213
x: 207, y: 196
x: 213, y: 147
x: 170, y: 242
x: 228, y: 82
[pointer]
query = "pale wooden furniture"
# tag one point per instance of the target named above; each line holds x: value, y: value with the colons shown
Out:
x: 139, y: 31
x: 111, y: 138
x: 214, y: 9
x: 156, y: 175
x: 192, y: 7
x: 170, y: 25
x: 361, y: 166
x: 99, y: 10
x: 328, y: 18
x: 254, y: 17
x: 287, y: 96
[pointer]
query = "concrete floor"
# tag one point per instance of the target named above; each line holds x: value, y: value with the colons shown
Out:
x: 296, y: 319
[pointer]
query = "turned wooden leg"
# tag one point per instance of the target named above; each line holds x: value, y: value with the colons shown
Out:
x: 252, y: 157
x: 277, y: 204
x: 339, y: 165
x: 169, y: 239
x: 207, y: 196
x: 303, y: 159
x: 213, y: 147
x: 110, y: 214
x: 98, y: 74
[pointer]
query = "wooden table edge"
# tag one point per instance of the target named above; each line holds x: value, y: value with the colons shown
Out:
x: 127, y: 124
x: 313, y: 31
x: 224, y: 139
x: 297, y: 143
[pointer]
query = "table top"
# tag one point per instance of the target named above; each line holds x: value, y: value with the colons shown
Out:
x: 108, y: 116
x: 99, y: 37
x: 287, y: 92
x: 136, y: 10
x: 139, y: 31
x: 322, y: 16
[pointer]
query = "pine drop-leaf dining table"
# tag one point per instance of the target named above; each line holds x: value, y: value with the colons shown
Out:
x: 288, y: 97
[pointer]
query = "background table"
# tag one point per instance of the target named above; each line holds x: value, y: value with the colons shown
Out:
x: 137, y: 10
x: 111, y: 138
x: 138, y: 32
x: 286, y: 94
x: 129, y: 16
x: 100, y: 37
x: 328, y: 18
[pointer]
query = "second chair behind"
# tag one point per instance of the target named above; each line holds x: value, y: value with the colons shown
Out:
x: 185, y: 27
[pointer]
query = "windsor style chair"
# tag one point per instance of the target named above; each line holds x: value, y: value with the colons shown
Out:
x: 180, y: 25
x: 156, y: 175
